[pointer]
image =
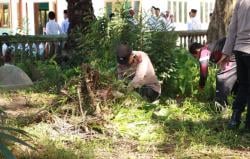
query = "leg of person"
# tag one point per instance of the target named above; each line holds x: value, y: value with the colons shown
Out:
x: 224, y: 84
x: 148, y: 93
x: 221, y: 90
x: 247, y: 63
x: 47, y: 50
x: 235, y: 87
x: 241, y: 97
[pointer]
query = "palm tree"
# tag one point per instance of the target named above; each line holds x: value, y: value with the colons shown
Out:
x: 81, y: 15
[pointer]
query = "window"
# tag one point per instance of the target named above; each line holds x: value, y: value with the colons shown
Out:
x: 169, y: 6
x: 180, y: 12
x: 185, y: 11
x: 108, y: 8
x: 4, y: 15
x: 128, y: 4
x: 175, y: 8
x: 201, y: 11
x: 136, y: 7
x: 207, y: 12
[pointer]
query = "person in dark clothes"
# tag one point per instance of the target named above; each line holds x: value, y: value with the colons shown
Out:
x: 226, y: 77
x: 238, y: 43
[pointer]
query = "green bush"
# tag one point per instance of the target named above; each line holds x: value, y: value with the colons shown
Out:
x: 161, y: 48
x: 97, y: 47
x: 47, y: 75
x: 184, y: 80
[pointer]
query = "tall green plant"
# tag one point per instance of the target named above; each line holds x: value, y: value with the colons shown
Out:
x: 98, y: 45
x: 184, y: 81
x: 161, y: 48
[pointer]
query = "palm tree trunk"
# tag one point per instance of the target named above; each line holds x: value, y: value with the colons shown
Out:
x: 81, y: 15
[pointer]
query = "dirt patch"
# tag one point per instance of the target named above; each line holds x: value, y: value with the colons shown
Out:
x: 17, y: 104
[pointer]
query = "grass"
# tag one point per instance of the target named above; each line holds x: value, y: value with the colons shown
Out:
x: 191, y: 129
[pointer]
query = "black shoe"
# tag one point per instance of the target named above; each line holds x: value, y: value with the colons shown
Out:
x: 234, y: 122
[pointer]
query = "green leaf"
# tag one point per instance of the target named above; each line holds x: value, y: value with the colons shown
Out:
x: 6, y: 152
x: 7, y: 137
x: 15, y: 130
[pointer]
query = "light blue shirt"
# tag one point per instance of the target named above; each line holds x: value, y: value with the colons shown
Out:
x: 65, y: 26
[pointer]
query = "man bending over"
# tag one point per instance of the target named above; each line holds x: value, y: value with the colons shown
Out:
x: 137, y: 67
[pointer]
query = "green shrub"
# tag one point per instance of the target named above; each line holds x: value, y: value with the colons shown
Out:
x: 184, y: 81
x: 97, y: 47
x: 161, y: 48
x: 47, y: 75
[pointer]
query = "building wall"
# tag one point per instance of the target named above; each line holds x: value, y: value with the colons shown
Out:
x: 21, y: 12
x: 179, y: 8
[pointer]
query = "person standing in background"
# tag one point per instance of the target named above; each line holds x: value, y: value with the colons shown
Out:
x: 131, y: 17
x: 172, y: 21
x: 161, y: 22
x: 168, y: 15
x: 194, y: 23
x: 52, y: 28
x: 151, y: 21
x: 65, y: 23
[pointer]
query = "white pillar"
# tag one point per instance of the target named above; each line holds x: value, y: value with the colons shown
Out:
x: 51, y: 5
x: 61, y: 6
x: 14, y: 18
x: 98, y: 7
x: 146, y: 5
x: 31, y: 22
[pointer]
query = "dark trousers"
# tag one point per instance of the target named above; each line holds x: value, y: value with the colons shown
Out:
x: 243, y: 73
x: 225, y: 84
x: 148, y: 93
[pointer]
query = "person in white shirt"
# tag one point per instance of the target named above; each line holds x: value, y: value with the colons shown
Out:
x: 194, y: 23
x: 161, y: 22
x: 131, y: 18
x: 65, y: 23
x: 5, y: 45
x: 52, y: 27
x: 151, y: 21
x: 172, y: 22
x: 167, y: 15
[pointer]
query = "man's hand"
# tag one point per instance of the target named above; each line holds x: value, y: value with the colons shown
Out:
x: 223, y: 61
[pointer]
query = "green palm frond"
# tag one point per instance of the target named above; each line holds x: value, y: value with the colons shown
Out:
x: 6, y: 136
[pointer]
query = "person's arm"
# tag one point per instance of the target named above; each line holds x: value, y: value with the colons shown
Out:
x: 59, y: 29
x: 232, y: 32
x: 120, y: 72
x: 204, y: 62
x: 203, y: 73
x: 63, y: 27
x: 47, y: 31
x: 140, y: 74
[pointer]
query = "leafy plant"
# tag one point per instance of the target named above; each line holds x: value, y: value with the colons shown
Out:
x: 184, y: 80
x: 6, y: 136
